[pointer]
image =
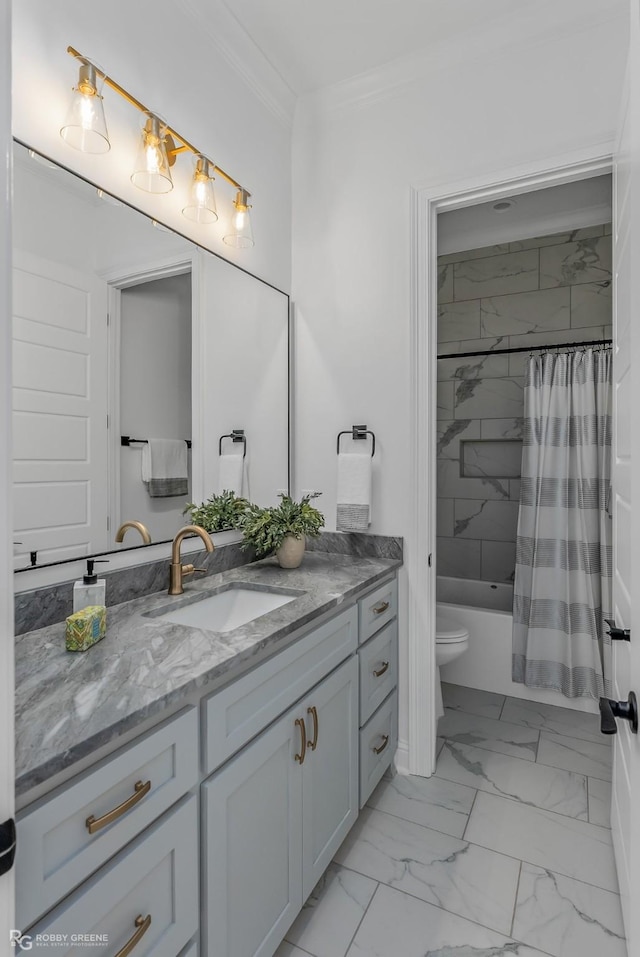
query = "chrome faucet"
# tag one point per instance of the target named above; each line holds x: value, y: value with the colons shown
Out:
x: 177, y: 570
x: 144, y: 531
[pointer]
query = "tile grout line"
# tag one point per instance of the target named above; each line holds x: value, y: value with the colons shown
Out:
x: 365, y: 912
x: 515, y: 901
x: 469, y: 818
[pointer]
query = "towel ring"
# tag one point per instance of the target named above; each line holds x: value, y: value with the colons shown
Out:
x: 358, y: 432
x: 236, y: 435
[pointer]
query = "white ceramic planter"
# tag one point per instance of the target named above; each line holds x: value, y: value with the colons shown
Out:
x: 290, y: 553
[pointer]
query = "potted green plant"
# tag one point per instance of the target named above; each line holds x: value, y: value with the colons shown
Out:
x: 282, y: 528
x: 219, y: 512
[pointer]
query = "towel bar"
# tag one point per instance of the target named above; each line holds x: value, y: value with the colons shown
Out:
x: 358, y: 432
x: 127, y: 440
x: 236, y: 435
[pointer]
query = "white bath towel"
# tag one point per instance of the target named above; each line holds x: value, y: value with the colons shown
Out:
x: 232, y: 470
x: 354, y: 491
x: 165, y: 467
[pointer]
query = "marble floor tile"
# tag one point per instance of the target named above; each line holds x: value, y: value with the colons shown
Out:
x: 574, y: 754
x: 326, y: 924
x: 467, y: 880
x: 490, y: 734
x: 431, y: 802
x: 549, y: 717
x: 486, y: 704
x: 599, y: 801
x: 562, y: 844
x: 533, y: 784
x: 397, y: 925
x: 439, y: 745
x: 567, y: 918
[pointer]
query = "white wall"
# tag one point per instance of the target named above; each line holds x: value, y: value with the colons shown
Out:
x: 155, y: 393
x: 357, y: 153
x: 6, y: 519
x: 168, y: 59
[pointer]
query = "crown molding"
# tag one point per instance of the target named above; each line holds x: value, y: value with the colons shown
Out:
x: 243, y: 56
x: 537, y: 26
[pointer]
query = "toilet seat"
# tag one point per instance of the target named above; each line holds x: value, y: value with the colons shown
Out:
x: 449, y: 631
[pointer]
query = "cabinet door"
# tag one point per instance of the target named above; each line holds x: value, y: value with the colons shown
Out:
x: 330, y: 771
x: 253, y: 852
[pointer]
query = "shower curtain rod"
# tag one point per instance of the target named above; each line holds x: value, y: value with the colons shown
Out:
x: 504, y: 352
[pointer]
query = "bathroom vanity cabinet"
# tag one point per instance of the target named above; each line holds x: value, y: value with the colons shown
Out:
x: 207, y: 833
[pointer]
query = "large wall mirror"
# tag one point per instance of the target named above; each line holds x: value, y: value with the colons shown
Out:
x: 125, y: 332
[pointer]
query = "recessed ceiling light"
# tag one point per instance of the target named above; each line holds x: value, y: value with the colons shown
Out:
x: 503, y: 205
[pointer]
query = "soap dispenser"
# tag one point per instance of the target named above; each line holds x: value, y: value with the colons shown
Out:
x: 91, y: 590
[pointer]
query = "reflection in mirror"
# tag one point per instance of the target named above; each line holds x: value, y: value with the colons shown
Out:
x: 123, y: 333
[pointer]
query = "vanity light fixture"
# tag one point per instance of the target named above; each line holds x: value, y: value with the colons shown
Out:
x: 240, y: 235
x: 152, y: 173
x: 160, y: 144
x: 85, y: 127
x: 201, y: 207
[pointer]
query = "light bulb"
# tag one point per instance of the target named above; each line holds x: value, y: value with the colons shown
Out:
x: 85, y: 128
x: 240, y: 234
x: 151, y: 172
x: 201, y: 207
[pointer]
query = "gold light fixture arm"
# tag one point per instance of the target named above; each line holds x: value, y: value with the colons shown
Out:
x: 120, y: 90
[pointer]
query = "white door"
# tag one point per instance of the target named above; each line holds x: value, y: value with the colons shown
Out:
x: 60, y: 451
x: 626, y: 496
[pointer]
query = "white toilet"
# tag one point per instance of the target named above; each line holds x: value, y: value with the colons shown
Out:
x: 452, y: 640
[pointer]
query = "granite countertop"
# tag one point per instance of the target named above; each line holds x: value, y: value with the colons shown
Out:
x: 69, y: 704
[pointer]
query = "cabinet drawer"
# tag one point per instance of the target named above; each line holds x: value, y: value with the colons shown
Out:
x: 242, y: 710
x: 56, y: 851
x: 378, y: 661
x: 378, y: 742
x: 377, y: 608
x: 155, y: 877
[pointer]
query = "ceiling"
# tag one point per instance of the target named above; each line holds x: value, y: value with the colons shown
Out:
x: 314, y: 44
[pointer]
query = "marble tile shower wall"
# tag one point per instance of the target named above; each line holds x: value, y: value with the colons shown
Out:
x: 551, y: 289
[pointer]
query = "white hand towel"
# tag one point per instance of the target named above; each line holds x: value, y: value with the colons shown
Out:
x: 165, y: 467
x: 354, y: 492
x: 231, y: 473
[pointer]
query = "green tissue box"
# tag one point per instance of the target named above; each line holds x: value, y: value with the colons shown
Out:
x: 86, y: 627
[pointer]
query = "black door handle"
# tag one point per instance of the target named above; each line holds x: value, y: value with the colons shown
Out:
x: 617, y: 634
x: 610, y: 710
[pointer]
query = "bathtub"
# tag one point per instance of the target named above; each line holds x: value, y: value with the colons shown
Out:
x: 485, y: 610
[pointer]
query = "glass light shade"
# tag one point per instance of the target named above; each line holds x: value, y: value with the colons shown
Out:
x: 201, y: 207
x: 151, y: 172
x: 85, y: 128
x: 240, y: 234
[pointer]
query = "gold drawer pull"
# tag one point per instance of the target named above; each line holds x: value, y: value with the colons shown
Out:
x: 314, y: 714
x: 378, y: 609
x: 379, y: 673
x: 303, y: 740
x: 94, y: 824
x: 143, y: 924
x: 385, y: 742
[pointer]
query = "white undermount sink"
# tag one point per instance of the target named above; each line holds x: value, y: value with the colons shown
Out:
x: 233, y: 606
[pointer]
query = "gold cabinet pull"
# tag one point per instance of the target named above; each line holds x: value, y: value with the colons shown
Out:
x: 143, y: 924
x: 303, y: 740
x: 314, y: 714
x: 379, y: 673
x: 94, y: 824
x: 378, y: 609
x: 385, y: 742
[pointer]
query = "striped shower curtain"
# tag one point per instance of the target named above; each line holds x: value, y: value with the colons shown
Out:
x: 562, y: 590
